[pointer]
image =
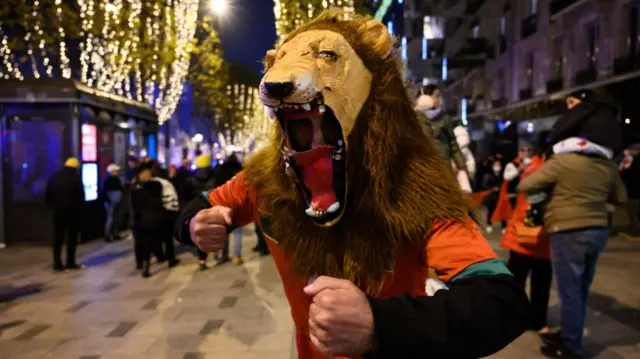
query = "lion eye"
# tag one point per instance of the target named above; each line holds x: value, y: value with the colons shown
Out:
x: 329, y: 55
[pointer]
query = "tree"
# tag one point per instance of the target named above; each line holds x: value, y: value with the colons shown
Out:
x: 208, y: 73
x: 292, y: 13
x: 135, y: 48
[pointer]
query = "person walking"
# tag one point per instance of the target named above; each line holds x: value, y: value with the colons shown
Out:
x: 580, y: 186
x: 203, y: 180
x: 225, y: 172
x: 630, y: 173
x: 529, y: 254
x: 491, y: 181
x: 112, y: 191
x: 65, y: 196
x: 166, y: 248
x: 149, y: 216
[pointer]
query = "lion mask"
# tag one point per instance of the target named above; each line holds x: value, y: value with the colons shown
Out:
x: 350, y: 177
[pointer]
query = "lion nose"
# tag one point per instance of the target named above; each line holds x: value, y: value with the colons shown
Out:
x: 279, y: 90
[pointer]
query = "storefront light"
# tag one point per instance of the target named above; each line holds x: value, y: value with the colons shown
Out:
x: 627, y: 121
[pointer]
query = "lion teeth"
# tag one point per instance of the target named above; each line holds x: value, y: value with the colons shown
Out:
x: 312, y: 212
x: 321, y: 109
x: 334, y: 207
x: 306, y: 106
x: 271, y: 112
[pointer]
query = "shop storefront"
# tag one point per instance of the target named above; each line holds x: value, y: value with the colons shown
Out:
x: 43, y: 122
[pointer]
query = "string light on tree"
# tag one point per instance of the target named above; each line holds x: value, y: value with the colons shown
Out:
x: 291, y: 13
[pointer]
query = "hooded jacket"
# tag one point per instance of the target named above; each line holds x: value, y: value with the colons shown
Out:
x: 595, y: 119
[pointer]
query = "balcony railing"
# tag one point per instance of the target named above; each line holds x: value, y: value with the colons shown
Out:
x: 499, y: 102
x: 626, y: 64
x: 586, y: 76
x: 558, y: 5
x: 529, y: 26
x: 526, y: 94
x: 555, y: 85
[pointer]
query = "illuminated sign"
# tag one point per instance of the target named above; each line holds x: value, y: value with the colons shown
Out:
x: 89, y: 143
x: 424, y: 48
x: 90, y: 181
x: 463, y: 111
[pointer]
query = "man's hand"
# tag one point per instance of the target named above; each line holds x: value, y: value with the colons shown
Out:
x: 208, y: 228
x: 340, y: 318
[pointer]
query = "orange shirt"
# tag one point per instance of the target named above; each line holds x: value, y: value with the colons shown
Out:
x: 451, y: 248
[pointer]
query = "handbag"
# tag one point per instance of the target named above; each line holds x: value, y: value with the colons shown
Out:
x: 528, y: 235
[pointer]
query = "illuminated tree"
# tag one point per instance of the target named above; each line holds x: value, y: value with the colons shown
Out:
x: 293, y: 13
x: 135, y: 48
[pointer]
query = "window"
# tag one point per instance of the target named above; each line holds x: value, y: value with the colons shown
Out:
x: 36, y: 149
x: 593, y: 39
x: 476, y: 31
x: 557, y: 60
x: 500, y: 85
x: 527, y: 71
x: 630, y: 35
x: 531, y: 7
x: 503, y: 25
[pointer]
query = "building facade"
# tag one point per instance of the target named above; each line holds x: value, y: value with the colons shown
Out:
x: 515, y: 60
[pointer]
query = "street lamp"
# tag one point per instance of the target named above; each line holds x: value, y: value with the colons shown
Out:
x: 219, y: 7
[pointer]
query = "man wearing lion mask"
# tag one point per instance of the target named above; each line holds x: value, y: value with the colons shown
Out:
x: 358, y: 207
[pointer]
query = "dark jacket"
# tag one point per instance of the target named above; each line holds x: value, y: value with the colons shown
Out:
x: 227, y: 171
x: 182, y: 181
x: 440, y: 129
x: 631, y: 178
x: 65, y: 190
x: 581, y: 186
x: 111, y: 184
x: 595, y: 119
x: 203, y: 180
x: 147, y: 206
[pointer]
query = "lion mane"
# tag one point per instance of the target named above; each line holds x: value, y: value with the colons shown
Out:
x: 397, y: 183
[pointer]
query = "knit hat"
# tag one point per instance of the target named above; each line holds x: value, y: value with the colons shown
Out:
x: 203, y: 161
x: 72, y: 162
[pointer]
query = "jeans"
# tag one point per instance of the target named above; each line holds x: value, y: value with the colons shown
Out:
x: 574, y: 255
x: 237, y: 244
x: 111, y: 225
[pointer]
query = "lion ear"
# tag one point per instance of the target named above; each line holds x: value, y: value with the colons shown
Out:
x: 378, y: 37
x: 269, y: 59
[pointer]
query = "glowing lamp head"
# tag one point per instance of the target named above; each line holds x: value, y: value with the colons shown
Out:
x: 219, y: 7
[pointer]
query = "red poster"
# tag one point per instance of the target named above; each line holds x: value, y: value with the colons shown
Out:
x: 89, y: 143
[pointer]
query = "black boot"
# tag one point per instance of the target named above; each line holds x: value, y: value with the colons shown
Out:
x: 174, y: 262
x: 146, y: 267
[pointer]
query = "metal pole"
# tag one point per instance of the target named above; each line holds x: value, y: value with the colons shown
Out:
x: 3, y: 126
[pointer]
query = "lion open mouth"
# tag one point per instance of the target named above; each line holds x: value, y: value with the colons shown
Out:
x: 317, y: 155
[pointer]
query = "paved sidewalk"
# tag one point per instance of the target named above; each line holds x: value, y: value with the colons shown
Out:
x: 108, y: 311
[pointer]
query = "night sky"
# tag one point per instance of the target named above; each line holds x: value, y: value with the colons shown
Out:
x: 248, y: 31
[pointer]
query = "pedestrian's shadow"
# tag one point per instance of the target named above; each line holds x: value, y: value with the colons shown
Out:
x: 10, y: 293
x: 606, y: 337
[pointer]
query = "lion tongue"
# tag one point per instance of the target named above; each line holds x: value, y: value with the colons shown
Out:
x: 317, y: 174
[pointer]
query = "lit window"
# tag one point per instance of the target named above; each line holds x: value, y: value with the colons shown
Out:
x: 476, y: 31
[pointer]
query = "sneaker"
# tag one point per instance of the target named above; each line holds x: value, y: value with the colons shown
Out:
x: 489, y: 229
x: 559, y: 351
x: 222, y: 260
x: 203, y: 266
x: 237, y: 261
x: 552, y: 337
x: 74, y: 267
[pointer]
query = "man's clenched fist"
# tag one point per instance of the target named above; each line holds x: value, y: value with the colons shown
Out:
x: 340, y: 318
x: 208, y: 228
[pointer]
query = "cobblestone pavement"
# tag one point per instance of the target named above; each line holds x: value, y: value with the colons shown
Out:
x: 107, y: 311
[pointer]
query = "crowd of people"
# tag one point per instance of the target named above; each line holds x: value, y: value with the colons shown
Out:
x: 554, y: 203
x: 147, y: 199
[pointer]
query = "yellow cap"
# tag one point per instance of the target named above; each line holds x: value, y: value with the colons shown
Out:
x: 203, y: 161
x: 72, y: 162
